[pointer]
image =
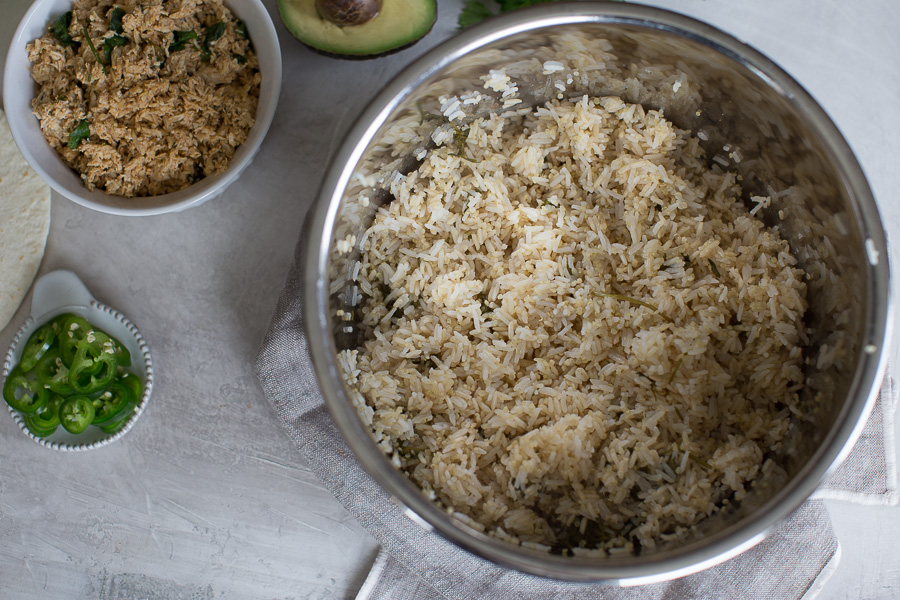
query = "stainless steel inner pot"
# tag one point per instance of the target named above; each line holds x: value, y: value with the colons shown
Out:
x: 755, y: 118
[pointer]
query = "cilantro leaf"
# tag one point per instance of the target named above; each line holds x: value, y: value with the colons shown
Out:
x: 115, y: 19
x: 60, y: 29
x: 110, y: 43
x: 212, y: 33
x: 508, y: 5
x: 181, y: 38
x: 473, y: 12
x: 81, y: 132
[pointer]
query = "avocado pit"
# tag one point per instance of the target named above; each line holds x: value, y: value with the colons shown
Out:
x: 347, y: 13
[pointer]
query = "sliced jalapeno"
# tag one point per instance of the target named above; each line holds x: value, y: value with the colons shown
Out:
x: 74, y: 379
x: 76, y: 413
x: 114, y: 427
x: 35, y: 428
x: 123, y: 356
x: 24, y: 394
x: 36, y: 346
x: 111, y: 402
x: 53, y: 374
x: 74, y: 329
x: 57, y: 323
x: 94, y: 366
x: 45, y: 421
x: 133, y: 383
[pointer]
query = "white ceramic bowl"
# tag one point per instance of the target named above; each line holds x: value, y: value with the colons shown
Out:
x: 63, y: 292
x: 19, y: 89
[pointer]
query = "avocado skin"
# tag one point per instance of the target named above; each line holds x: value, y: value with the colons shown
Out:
x: 299, y: 16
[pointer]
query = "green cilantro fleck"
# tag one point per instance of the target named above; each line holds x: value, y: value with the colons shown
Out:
x: 115, y: 19
x: 60, y: 29
x: 81, y: 132
x: 485, y: 307
x: 181, y: 38
x: 675, y: 371
x: 110, y: 43
x: 475, y: 11
x: 426, y: 116
x: 211, y: 34
x: 699, y: 462
x: 94, y: 50
x: 214, y: 32
x: 459, y: 139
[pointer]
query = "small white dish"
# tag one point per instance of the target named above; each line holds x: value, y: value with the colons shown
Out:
x: 19, y: 89
x: 61, y: 292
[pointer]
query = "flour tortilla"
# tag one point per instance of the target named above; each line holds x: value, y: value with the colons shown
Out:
x: 24, y: 224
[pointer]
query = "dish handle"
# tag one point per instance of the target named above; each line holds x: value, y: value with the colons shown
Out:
x: 57, y: 289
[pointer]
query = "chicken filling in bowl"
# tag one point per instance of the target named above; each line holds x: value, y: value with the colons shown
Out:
x: 145, y: 98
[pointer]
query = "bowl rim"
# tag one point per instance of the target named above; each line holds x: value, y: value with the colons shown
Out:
x: 62, y: 179
x: 696, y: 555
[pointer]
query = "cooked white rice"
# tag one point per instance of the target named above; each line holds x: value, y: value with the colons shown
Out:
x: 578, y: 334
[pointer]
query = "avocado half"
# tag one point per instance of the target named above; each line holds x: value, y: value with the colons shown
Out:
x: 398, y: 24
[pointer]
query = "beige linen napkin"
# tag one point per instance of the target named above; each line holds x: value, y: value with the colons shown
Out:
x: 869, y: 474
x: 793, y: 562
